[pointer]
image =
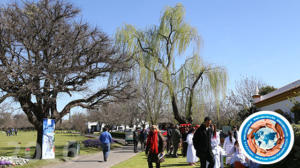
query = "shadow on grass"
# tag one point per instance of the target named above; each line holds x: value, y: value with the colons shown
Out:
x: 17, y: 151
x: 131, y: 151
x: 60, y: 151
x: 175, y: 165
x: 70, y: 135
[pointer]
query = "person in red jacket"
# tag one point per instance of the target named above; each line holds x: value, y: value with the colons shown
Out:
x: 154, y: 146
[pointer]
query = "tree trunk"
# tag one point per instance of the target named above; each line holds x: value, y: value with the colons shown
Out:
x: 177, y: 116
x: 189, y: 107
x: 39, y: 143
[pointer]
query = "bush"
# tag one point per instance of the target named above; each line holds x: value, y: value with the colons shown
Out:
x: 118, y: 135
x: 92, y: 143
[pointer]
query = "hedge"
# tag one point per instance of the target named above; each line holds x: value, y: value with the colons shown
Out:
x: 118, y: 135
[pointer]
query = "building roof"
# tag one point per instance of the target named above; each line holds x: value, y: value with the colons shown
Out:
x: 280, y: 94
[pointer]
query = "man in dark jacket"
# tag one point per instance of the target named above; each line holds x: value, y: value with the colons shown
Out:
x: 143, y: 138
x: 202, y: 144
x: 184, y: 133
x: 169, y: 140
x: 135, y: 140
x: 176, y: 136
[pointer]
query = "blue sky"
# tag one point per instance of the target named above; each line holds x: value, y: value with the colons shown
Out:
x: 254, y: 38
x: 257, y: 38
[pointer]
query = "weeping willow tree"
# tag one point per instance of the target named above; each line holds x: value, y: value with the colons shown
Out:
x: 153, y: 99
x: 156, y: 48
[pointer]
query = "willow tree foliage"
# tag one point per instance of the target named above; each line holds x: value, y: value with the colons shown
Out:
x: 156, y: 50
x: 153, y: 99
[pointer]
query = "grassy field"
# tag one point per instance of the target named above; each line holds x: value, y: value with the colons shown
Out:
x: 19, y: 145
x: 140, y: 161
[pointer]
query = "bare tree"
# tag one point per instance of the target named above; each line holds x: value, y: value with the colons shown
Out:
x: 6, y: 116
x: 110, y: 114
x: 229, y: 112
x: 118, y: 113
x: 78, y: 122
x: 240, y: 100
x: 21, y: 121
x: 134, y: 116
x: 6, y: 120
x: 244, y: 90
x: 46, y: 53
x: 63, y: 125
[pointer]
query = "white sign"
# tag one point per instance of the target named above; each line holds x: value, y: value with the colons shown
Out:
x: 48, y: 148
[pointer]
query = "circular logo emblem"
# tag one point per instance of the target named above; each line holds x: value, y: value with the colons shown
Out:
x: 266, y: 137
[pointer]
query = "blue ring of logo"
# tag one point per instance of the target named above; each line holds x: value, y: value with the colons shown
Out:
x: 286, y: 133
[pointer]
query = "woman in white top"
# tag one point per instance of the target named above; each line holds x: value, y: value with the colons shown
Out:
x: 238, y: 158
x: 228, y: 145
x: 215, y: 145
x: 191, y: 157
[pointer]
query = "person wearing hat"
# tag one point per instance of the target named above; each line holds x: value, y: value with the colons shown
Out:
x: 202, y: 143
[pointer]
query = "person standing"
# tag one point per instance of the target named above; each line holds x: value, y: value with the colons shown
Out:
x: 235, y: 132
x: 228, y: 145
x: 169, y: 139
x: 142, y: 138
x: 105, y: 139
x: 135, y: 140
x: 16, y: 131
x: 154, y: 146
x: 216, y: 149
x: 191, y: 157
x: 176, y: 136
x: 202, y: 143
x: 185, y: 132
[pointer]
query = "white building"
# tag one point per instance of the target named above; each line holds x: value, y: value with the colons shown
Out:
x: 281, y: 100
x: 93, y: 127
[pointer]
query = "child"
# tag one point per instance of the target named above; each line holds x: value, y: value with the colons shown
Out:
x: 238, y: 159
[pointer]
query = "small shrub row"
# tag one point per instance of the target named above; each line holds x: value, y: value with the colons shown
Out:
x: 92, y: 143
x: 118, y: 135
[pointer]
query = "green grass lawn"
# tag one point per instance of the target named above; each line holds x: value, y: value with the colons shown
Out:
x: 140, y: 161
x: 17, y: 145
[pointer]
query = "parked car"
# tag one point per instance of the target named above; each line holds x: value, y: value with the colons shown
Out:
x: 128, y: 136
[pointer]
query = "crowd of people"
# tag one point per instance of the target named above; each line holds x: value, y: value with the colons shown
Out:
x: 202, y: 143
x: 11, y: 131
x: 197, y: 143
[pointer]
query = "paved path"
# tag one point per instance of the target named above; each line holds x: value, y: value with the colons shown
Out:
x: 116, y: 156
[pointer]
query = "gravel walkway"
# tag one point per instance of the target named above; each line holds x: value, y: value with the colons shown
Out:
x: 116, y: 156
